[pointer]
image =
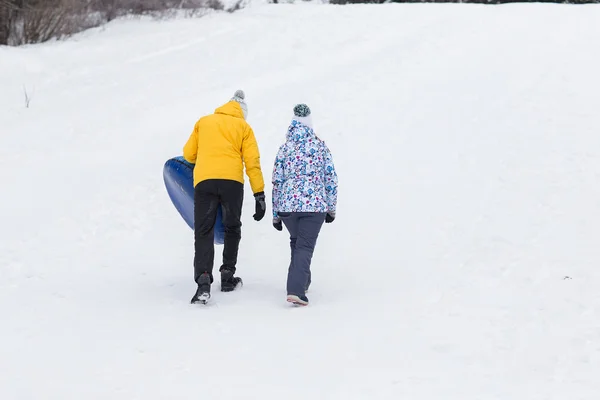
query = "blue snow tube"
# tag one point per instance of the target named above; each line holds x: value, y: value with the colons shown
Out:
x: 179, y: 181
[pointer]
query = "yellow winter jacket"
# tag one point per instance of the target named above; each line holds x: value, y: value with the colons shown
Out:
x: 220, y: 143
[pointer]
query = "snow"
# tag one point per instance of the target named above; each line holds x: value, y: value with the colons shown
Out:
x: 464, y: 260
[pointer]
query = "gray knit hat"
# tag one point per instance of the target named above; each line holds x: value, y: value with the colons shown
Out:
x: 301, y: 110
x: 239, y: 96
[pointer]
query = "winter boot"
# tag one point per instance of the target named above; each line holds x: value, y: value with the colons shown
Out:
x: 297, y: 300
x: 203, y: 292
x: 229, y: 282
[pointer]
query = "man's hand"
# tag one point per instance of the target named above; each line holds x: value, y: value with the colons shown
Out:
x: 260, y: 206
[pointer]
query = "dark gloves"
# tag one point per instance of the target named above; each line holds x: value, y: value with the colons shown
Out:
x: 277, y: 224
x: 260, y: 207
x: 330, y: 217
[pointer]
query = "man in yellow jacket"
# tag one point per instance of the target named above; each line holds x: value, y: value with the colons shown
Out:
x: 219, y: 146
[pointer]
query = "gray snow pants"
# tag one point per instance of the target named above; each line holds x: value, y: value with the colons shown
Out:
x: 304, y: 230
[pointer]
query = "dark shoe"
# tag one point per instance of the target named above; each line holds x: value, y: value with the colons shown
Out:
x: 229, y: 282
x: 203, y: 292
x: 297, y: 300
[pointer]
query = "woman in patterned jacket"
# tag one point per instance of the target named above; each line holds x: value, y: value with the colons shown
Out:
x: 304, y: 196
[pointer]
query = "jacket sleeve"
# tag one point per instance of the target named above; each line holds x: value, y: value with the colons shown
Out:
x: 251, y: 157
x: 277, y: 180
x: 331, y: 180
x: 190, y: 150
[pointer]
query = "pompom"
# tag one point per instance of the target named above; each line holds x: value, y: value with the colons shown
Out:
x: 301, y: 110
x: 240, y: 94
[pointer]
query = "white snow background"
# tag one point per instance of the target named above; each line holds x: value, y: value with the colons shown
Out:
x: 465, y: 260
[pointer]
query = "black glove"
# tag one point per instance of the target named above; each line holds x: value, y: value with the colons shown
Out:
x: 277, y: 224
x: 330, y: 217
x: 260, y: 207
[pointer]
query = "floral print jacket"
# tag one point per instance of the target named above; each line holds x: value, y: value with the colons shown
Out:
x: 304, y: 177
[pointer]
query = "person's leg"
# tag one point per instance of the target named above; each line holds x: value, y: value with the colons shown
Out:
x: 293, y: 238
x: 291, y: 225
x: 205, y: 213
x: 231, y: 195
x: 291, y: 222
x: 308, y: 229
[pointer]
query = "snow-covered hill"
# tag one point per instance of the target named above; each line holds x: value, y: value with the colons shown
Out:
x: 464, y: 263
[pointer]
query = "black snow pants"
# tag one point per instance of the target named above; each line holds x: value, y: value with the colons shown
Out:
x: 208, y: 195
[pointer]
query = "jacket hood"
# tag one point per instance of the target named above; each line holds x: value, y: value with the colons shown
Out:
x: 231, y: 108
x: 298, y: 132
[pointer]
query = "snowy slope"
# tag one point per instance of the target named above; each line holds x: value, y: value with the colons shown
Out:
x: 464, y: 260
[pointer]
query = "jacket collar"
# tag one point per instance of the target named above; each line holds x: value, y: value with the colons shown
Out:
x: 231, y: 108
x: 299, y: 132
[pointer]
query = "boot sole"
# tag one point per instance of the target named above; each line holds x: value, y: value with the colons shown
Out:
x: 202, y: 299
x: 297, y: 301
